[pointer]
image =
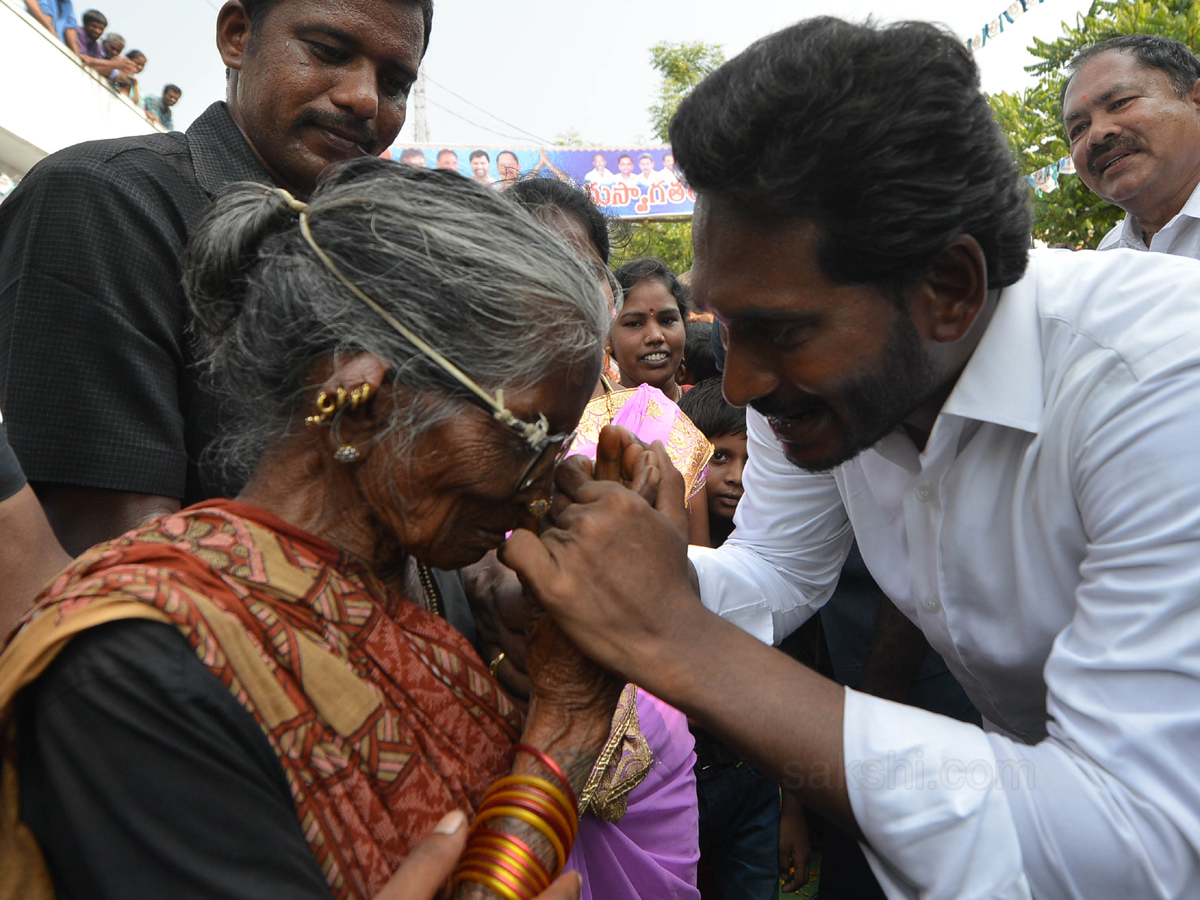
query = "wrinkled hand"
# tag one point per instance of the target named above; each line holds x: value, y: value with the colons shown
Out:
x: 613, y: 570
x: 503, y: 618
x: 431, y: 863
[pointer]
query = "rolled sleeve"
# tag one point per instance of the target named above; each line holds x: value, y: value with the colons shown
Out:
x: 783, y: 559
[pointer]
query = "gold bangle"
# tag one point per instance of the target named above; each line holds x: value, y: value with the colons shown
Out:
x: 487, y: 881
x: 543, y: 827
x: 543, y: 785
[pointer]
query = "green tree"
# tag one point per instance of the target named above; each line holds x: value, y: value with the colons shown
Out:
x: 1072, y: 215
x: 682, y: 66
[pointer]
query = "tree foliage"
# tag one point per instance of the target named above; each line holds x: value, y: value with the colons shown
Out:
x: 682, y: 66
x: 1072, y: 215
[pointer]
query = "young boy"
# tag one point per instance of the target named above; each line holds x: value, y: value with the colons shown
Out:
x: 725, y: 427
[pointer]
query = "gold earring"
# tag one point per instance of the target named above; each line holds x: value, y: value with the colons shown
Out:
x: 539, y: 508
x: 326, y: 407
x: 347, y: 453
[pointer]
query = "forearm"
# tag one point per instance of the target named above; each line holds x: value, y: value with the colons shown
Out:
x: 84, y: 517
x: 573, y: 740
x: 781, y: 716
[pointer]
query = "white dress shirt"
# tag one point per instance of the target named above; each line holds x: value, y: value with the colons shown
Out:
x: 1180, y: 236
x: 1047, y: 542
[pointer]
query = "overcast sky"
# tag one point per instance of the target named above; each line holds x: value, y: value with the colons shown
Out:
x: 546, y: 67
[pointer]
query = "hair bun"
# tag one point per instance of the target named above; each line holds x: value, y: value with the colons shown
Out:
x: 224, y: 244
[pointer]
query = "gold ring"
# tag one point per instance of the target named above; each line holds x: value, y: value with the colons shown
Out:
x: 539, y: 508
x: 495, y: 664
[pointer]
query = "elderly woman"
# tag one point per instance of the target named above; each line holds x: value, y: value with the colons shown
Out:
x: 258, y: 697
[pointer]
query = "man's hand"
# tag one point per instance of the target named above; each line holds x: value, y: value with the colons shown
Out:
x: 613, y: 570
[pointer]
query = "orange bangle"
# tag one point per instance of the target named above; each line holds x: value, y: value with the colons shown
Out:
x: 483, y: 857
x: 514, y: 843
x: 541, y: 785
x: 539, y: 879
x: 549, y: 763
x: 535, y: 805
x: 515, y: 812
x: 487, y: 881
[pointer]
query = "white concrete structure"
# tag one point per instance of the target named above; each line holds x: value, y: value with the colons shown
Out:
x: 49, y: 101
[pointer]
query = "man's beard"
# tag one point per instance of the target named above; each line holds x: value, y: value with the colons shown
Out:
x: 875, y: 402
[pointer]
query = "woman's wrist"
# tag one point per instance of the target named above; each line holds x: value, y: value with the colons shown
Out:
x: 572, y: 739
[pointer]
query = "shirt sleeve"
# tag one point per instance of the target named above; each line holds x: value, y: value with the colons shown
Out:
x: 1108, y: 805
x: 141, y: 776
x: 92, y: 314
x: 783, y: 559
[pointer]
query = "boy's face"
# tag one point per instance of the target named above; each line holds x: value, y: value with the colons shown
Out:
x: 724, y: 487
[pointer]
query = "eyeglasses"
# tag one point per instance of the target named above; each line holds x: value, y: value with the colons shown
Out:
x: 548, y: 449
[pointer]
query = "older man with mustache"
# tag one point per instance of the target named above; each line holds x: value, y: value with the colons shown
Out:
x: 1131, y: 109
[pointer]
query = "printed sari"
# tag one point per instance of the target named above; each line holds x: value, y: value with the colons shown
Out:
x: 382, y: 715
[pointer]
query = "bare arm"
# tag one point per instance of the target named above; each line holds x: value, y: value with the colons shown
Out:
x: 83, y: 517
x: 30, y: 555
x: 36, y: 11
x: 72, y: 40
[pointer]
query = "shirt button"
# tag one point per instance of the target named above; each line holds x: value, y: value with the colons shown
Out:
x: 931, y: 604
x: 924, y: 493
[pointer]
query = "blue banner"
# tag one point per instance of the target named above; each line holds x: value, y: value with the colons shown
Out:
x: 628, y: 182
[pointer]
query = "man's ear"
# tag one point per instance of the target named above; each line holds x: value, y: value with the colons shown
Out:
x: 233, y: 33
x: 949, y: 298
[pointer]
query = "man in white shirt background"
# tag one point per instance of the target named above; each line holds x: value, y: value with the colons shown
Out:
x: 625, y: 169
x: 1131, y: 110
x: 1013, y: 439
x: 480, y: 164
x: 648, y: 175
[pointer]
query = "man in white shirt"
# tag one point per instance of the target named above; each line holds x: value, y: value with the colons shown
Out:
x: 1014, y: 442
x: 1131, y: 110
x: 599, y: 173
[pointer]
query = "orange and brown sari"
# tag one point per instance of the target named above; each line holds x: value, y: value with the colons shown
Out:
x: 382, y: 715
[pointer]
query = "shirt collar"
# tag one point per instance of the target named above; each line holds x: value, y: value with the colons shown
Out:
x: 220, y: 153
x: 1002, y: 382
x: 1130, y: 234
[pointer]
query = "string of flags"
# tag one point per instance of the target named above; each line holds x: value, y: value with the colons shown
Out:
x: 995, y: 27
x: 1045, y: 179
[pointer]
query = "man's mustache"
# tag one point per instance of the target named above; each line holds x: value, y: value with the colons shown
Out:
x: 1124, y: 142
x: 355, y: 129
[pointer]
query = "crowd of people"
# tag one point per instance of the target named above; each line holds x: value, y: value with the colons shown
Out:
x: 369, y: 532
x: 105, y: 53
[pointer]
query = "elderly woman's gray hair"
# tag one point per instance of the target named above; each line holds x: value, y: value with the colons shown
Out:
x: 482, y: 281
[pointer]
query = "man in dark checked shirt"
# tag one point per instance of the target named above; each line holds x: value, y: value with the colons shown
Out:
x: 99, y: 392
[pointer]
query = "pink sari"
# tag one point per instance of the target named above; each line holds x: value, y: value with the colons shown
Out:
x: 643, y: 841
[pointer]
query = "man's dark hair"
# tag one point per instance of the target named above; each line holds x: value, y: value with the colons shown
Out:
x: 446, y: 150
x: 624, y: 156
x: 1152, y: 52
x: 634, y: 273
x: 510, y: 153
x: 135, y: 54
x: 541, y: 194
x: 94, y: 15
x: 878, y: 135
x: 709, y: 411
x: 698, y: 353
x: 257, y: 11
x: 173, y: 87
x: 411, y: 153
x: 475, y: 154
